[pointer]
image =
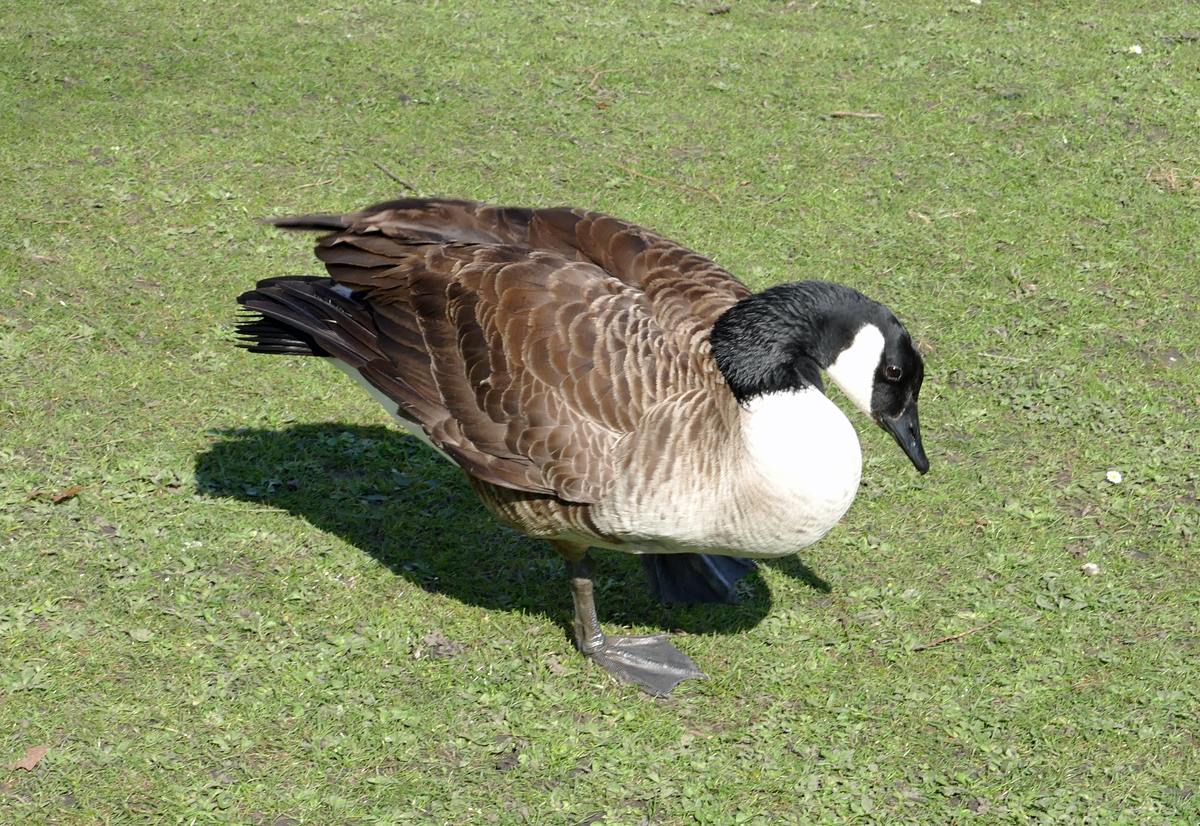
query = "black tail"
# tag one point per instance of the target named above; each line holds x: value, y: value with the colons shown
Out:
x: 315, y: 316
x: 260, y: 334
x: 263, y: 332
x: 695, y: 579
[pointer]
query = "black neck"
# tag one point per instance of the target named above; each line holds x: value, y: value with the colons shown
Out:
x: 781, y: 339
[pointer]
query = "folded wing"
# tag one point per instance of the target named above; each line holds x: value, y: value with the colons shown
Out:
x: 525, y: 343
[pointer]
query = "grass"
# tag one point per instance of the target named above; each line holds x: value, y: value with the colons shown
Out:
x: 264, y: 607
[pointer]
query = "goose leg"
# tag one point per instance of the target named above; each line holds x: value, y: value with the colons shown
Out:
x: 651, y: 662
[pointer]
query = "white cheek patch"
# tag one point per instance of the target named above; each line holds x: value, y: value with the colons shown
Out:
x: 855, y: 367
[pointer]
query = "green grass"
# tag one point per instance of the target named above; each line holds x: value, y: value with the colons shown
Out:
x: 235, y: 619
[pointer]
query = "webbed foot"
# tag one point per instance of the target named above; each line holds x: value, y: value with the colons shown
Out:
x: 650, y: 662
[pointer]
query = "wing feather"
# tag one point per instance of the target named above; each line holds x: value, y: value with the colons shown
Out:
x: 526, y: 342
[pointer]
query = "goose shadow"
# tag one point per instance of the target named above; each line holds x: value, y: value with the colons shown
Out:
x: 386, y: 494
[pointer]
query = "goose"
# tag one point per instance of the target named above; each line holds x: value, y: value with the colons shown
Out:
x: 603, y: 387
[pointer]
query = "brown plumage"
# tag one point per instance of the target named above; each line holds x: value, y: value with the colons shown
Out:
x: 562, y: 358
x: 526, y: 342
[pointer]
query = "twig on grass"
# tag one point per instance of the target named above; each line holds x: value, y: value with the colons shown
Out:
x: 318, y: 183
x: 778, y: 197
x: 958, y: 213
x: 1120, y: 516
x: 958, y: 636
x: 1001, y: 358
x: 869, y: 115
x: 941, y: 216
x: 600, y: 95
x: 61, y: 496
x: 113, y: 442
x: 395, y: 177
x: 596, y: 75
x: 667, y: 183
x: 42, y: 220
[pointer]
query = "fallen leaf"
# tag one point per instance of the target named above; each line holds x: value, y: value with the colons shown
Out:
x: 555, y: 667
x: 140, y: 634
x: 63, y: 495
x: 32, y: 757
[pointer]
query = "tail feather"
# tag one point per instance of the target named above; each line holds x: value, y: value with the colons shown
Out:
x: 313, y: 223
x: 260, y: 334
x: 295, y: 316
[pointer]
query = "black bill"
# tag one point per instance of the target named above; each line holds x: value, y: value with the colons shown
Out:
x: 906, y: 430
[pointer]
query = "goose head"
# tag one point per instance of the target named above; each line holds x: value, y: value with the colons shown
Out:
x: 781, y: 339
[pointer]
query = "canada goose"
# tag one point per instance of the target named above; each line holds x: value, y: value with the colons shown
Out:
x: 604, y: 387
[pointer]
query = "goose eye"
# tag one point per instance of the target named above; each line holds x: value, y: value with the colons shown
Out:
x: 893, y: 372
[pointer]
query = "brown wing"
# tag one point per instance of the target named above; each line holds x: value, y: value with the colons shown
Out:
x: 526, y: 342
x: 685, y: 291
x: 537, y: 364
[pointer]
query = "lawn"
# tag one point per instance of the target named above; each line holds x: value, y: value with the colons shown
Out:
x: 230, y: 593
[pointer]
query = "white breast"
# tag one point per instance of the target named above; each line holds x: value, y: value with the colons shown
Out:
x: 808, y: 458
